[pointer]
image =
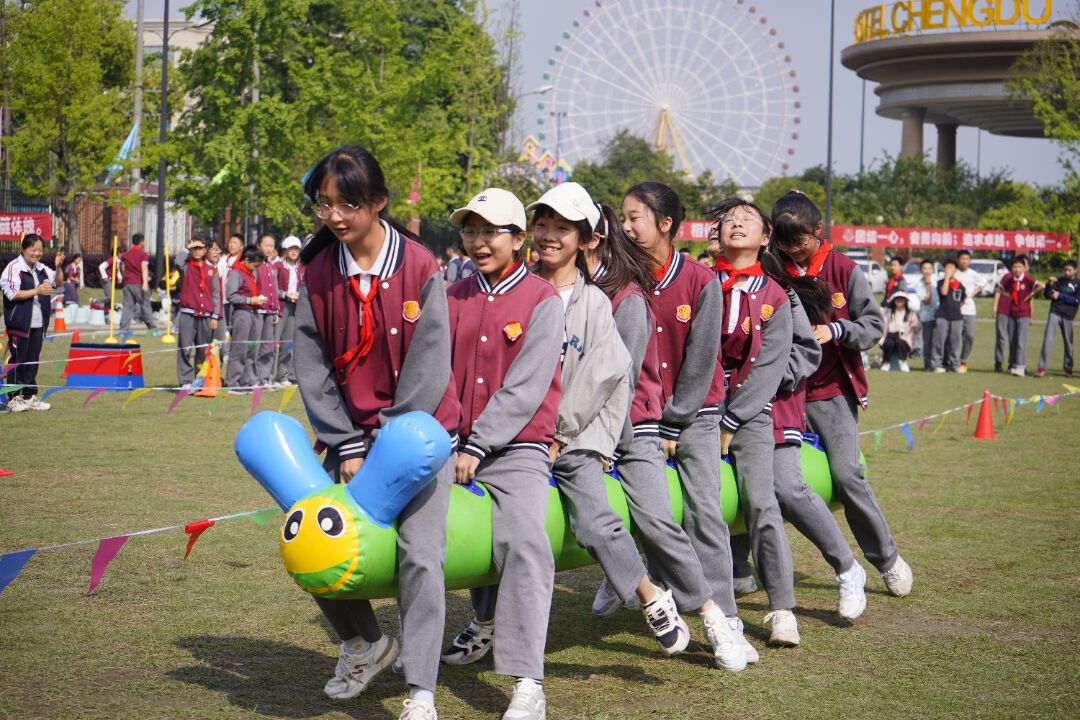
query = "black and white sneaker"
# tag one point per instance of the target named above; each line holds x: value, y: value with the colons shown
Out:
x: 668, y: 627
x: 471, y: 644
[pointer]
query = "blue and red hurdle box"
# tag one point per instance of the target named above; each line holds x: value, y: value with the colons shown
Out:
x: 91, y: 366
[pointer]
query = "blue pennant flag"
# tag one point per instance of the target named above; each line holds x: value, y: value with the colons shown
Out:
x: 11, y: 564
x: 124, y: 154
x: 908, y: 434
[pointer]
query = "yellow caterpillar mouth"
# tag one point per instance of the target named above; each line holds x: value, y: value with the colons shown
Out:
x: 316, y: 582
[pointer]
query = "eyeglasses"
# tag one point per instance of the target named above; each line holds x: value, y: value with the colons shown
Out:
x: 799, y: 242
x: 345, y: 210
x: 729, y: 220
x: 487, y: 233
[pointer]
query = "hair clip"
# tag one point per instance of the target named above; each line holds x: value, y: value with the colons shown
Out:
x: 796, y: 191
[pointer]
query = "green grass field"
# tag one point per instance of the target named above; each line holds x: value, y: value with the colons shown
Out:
x: 992, y: 530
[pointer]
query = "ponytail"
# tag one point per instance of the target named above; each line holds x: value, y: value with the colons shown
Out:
x: 624, y: 261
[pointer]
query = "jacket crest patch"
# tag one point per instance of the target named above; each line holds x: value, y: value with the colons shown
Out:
x: 766, y: 312
x: 410, y: 310
x: 746, y: 325
x: 838, y: 300
x: 513, y: 331
x: 682, y: 313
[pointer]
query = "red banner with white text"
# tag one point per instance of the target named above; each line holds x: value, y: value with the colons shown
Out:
x: 937, y: 238
x: 14, y: 225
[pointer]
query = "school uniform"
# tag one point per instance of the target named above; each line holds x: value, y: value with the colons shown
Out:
x: 136, y: 300
x: 506, y: 344
x: 200, y: 299
x: 289, y: 279
x: 799, y: 504
x: 641, y: 466
x: 269, y: 315
x: 25, y: 321
x: 929, y: 301
x: 948, y: 325
x: 375, y: 345
x: 222, y: 269
x: 688, y: 305
x: 970, y: 279
x: 239, y: 289
x: 1019, y: 290
x: 230, y: 262
x: 755, y: 348
x: 895, y: 283
x: 838, y: 388
x: 73, y: 280
x: 1062, y: 314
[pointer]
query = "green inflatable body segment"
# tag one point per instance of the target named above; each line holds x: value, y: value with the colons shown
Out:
x: 361, y: 560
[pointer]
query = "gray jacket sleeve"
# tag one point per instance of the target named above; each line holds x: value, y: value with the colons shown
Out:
x: 866, y: 325
x: 512, y: 406
x: 425, y: 371
x: 597, y: 373
x: 232, y: 290
x: 805, y: 349
x: 319, y: 389
x: 754, y: 394
x: 215, y: 294
x: 699, y: 363
x: 633, y: 323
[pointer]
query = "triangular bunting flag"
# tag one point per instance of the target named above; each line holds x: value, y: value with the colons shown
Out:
x: 264, y: 516
x: 286, y: 397
x: 93, y: 394
x: 51, y: 391
x: 1070, y: 388
x: 135, y: 395
x: 214, y: 403
x: 11, y: 389
x: 1051, y: 400
x: 11, y: 366
x: 256, y: 398
x: 877, y: 439
x: 906, y: 429
x: 6, y: 473
x: 1039, y: 405
x: 11, y: 564
x: 130, y: 358
x: 969, y: 407
x: 194, y: 530
x: 104, y: 555
x: 184, y: 392
x: 922, y: 423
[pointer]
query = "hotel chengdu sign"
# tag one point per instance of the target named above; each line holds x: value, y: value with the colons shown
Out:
x: 913, y: 16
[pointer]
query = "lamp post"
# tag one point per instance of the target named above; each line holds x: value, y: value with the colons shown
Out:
x: 558, y: 115
x: 828, y: 151
x: 542, y: 90
x: 162, y: 245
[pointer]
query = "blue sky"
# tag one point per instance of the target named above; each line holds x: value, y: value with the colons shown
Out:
x: 803, y: 25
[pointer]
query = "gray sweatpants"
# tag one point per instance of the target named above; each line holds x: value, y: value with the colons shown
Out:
x: 1001, y: 338
x: 928, y: 342
x: 805, y: 509
x: 1018, y: 341
x: 286, y: 333
x: 266, y: 352
x: 947, y: 338
x: 697, y: 458
x: 751, y: 454
x: 421, y: 552
x: 241, y: 370
x: 669, y: 551
x: 836, y: 422
x: 136, y: 307
x: 1053, y: 322
x: 968, y: 339
x: 517, y: 479
x: 192, y: 331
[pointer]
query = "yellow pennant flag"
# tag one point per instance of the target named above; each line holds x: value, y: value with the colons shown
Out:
x: 135, y: 394
x: 1070, y: 388
x: 286, y: 397
x: 943, y: 418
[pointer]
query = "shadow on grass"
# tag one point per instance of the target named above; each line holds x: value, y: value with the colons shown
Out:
x: 275, y: 679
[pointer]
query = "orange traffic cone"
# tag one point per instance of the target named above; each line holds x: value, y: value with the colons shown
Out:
x: 59, y: 323
x: 75, y: 335
x: 212, y: 382
x: 984, y: 428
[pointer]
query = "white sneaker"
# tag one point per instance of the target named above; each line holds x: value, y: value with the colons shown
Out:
x: 607, y: 601
x: 668, y: 627
x: 471, y: 644
x: 745, y: 585
x: 852, y: 592
x: 413, y: 710
x: 528, y: 702
x: 18, y: 404
x: 785, y: 628
x: 885, y: 367
x: 355, y: 671
x: 728, y: 653
x: 285, y: 383
x: 1019, y: 372
x: 749, y: 650
x: 904, y: 367
x: 35, y: 403
x: 898, y: 579
x: 939, y: 370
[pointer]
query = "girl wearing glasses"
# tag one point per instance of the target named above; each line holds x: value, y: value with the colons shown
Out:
x: 373, y: 342
x: 838, y: 387
x: 687, y: 302
x: 507, y: 329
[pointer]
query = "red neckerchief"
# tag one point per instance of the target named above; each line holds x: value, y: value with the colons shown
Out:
x: 660, y: 272
x: 892, y: 283
x: 815, y: 262
x: 1016, y: 288
x: 346, y: 362
x: 251, y: 276
x: 506, y: 274
x: 954, y: 284
x: 723, y: 265
x: 199, y: 270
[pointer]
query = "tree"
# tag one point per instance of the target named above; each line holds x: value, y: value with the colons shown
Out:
x: 70, y: 63
x: 627, y: 160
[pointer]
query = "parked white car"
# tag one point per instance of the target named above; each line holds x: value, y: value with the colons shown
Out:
x: 912, y: 273
x: 874, y: 273
x: 992, y: 271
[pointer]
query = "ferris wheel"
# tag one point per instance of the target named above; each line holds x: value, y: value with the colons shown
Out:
x: 708, y: 80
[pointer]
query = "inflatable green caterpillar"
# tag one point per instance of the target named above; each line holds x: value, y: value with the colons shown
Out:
x: 339, y: 541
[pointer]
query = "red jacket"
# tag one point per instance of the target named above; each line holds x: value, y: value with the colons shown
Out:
x: 132, y: 264
x: 647, y: 401
x: 197, y: 289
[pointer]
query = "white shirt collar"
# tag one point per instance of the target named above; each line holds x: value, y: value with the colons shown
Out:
x: 384, y: 261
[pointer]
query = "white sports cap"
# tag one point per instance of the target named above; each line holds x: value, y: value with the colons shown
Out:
x: 290, y: 242
x: 572, y: 202
x: 497, y: 206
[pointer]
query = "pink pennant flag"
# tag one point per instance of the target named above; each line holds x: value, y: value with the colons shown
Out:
x: 92, y: 395
x: 922, y: 423
x: 104, y: 555
x: 176, y: 400
x: 8, y: 368
x: 256, y: 398
x: 1051, y: 400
